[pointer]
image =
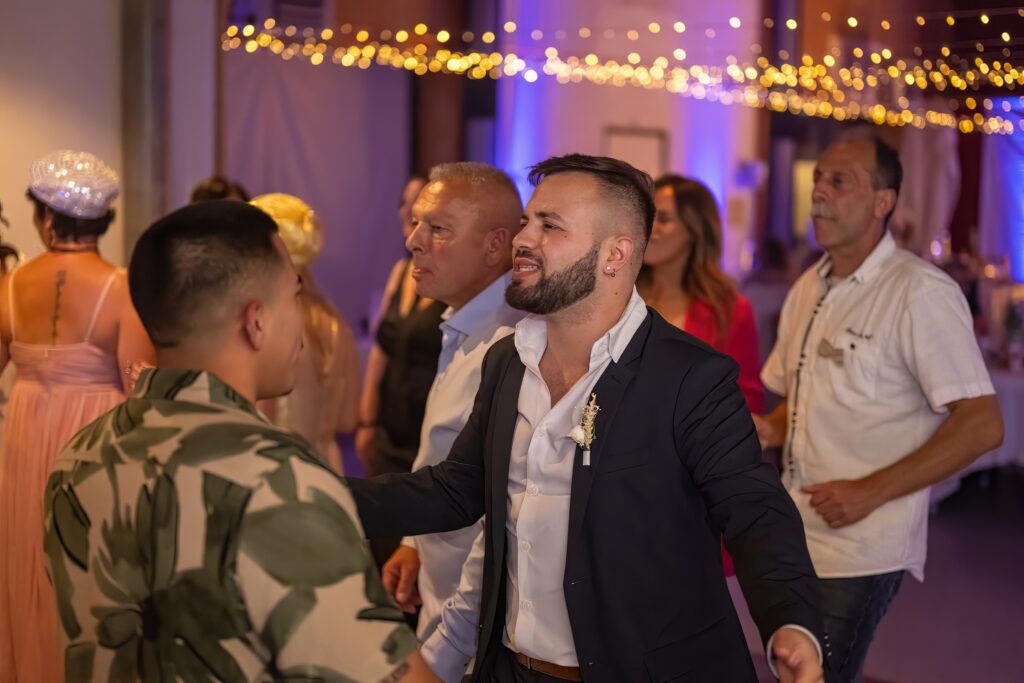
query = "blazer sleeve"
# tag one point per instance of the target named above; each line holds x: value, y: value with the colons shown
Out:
x: 746, y: 502
x: 443, y: 497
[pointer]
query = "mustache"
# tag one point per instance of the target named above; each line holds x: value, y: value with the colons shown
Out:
x: 523, y: 252
x: 820, y: 210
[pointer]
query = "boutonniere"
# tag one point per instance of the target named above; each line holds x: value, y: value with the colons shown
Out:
x: 583, y: 433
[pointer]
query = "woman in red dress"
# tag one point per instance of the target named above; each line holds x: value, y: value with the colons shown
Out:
x: 682, y: 280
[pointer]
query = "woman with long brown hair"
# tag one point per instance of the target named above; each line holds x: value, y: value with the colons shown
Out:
x: 683, y: 281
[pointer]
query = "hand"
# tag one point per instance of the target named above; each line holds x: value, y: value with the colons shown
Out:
x: 844, y: 501
x: 365, y: 438
x: 400, y: 574
x: 413, y: 670
x: 796, y: 657
x: 769, y: 432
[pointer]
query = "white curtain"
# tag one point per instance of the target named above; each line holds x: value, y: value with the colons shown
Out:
x: 337, y: 137
x: 931, y: 186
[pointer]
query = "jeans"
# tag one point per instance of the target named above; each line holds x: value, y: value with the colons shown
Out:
x: 852, y: 609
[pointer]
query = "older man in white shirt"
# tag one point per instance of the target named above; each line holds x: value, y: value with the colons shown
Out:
x: 463, y: 223
x: 886, y: 393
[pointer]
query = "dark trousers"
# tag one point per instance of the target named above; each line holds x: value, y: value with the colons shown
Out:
x: 508, y: 670
x: 852, y: 609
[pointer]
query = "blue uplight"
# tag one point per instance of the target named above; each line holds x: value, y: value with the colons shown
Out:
x: 1008, y: 155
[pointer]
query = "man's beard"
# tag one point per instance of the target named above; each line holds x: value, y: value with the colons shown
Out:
x: 557, y: 291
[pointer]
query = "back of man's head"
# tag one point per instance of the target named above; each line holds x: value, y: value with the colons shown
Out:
x: 191, y: 269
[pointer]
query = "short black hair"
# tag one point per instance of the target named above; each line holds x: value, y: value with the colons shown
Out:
x: 888, y: 173
x: 627, y: 183
x: 70, y: 227
x: 194, y: 259
x: 218, y: 187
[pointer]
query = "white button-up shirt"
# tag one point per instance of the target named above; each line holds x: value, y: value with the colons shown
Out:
x: 539, y: 484
x: 467, y: 334
x: 867, y: 365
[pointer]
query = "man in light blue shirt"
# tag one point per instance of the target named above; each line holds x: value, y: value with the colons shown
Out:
x: 463, y: 224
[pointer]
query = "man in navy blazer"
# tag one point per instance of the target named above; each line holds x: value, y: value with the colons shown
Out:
x: 608, y: 453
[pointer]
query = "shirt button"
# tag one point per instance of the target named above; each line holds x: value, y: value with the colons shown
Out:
x: 526, y: 605
x: 524, y: 546
x: 532, y: 490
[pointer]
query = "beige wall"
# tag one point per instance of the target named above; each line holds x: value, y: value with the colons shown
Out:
x: 60, y: 87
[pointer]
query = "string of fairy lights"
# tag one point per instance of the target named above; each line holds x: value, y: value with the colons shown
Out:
x: 873, y: 84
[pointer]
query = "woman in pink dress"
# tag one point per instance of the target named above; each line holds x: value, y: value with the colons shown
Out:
x: 682, y: 280
x: 68, y: 326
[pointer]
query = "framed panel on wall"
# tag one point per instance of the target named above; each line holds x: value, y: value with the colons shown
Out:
x: 644, y: 148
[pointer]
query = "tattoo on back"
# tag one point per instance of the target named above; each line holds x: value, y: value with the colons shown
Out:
x: 62, y: 278
x: 397, y: 675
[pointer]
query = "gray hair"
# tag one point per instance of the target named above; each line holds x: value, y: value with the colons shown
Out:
x: 477, y: 174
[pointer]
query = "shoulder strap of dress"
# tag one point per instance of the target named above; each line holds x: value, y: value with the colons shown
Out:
x: 99, y: 305
x: 10, y: 301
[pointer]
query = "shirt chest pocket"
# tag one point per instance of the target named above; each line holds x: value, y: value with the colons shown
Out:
x: 853, y: 361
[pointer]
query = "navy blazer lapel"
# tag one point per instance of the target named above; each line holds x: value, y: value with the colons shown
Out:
x: 505, y: 416
x: 610, y: 389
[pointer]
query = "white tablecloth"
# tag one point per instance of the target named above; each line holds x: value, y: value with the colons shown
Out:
x: 1010, y: 391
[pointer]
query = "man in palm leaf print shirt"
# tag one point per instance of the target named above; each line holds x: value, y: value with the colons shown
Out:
x: 187, y: 538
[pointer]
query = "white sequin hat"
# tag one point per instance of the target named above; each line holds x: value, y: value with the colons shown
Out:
x: 74, y: 183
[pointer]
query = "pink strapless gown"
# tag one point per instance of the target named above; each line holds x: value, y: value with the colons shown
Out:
x: 57, y: 391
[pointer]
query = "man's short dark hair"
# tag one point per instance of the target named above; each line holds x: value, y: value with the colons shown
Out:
x: 218, y: 187
x: 71, y: 227
x: 888, y: 173
x: 631, y: 185
x: 189, y: 263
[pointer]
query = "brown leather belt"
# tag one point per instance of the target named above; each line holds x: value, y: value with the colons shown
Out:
x: 566, y: 673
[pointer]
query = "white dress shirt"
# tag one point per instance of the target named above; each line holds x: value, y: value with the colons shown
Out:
x: 868, y: 364
x: 539, y: 483
x: 451, y: 647
x: 467, y: 334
